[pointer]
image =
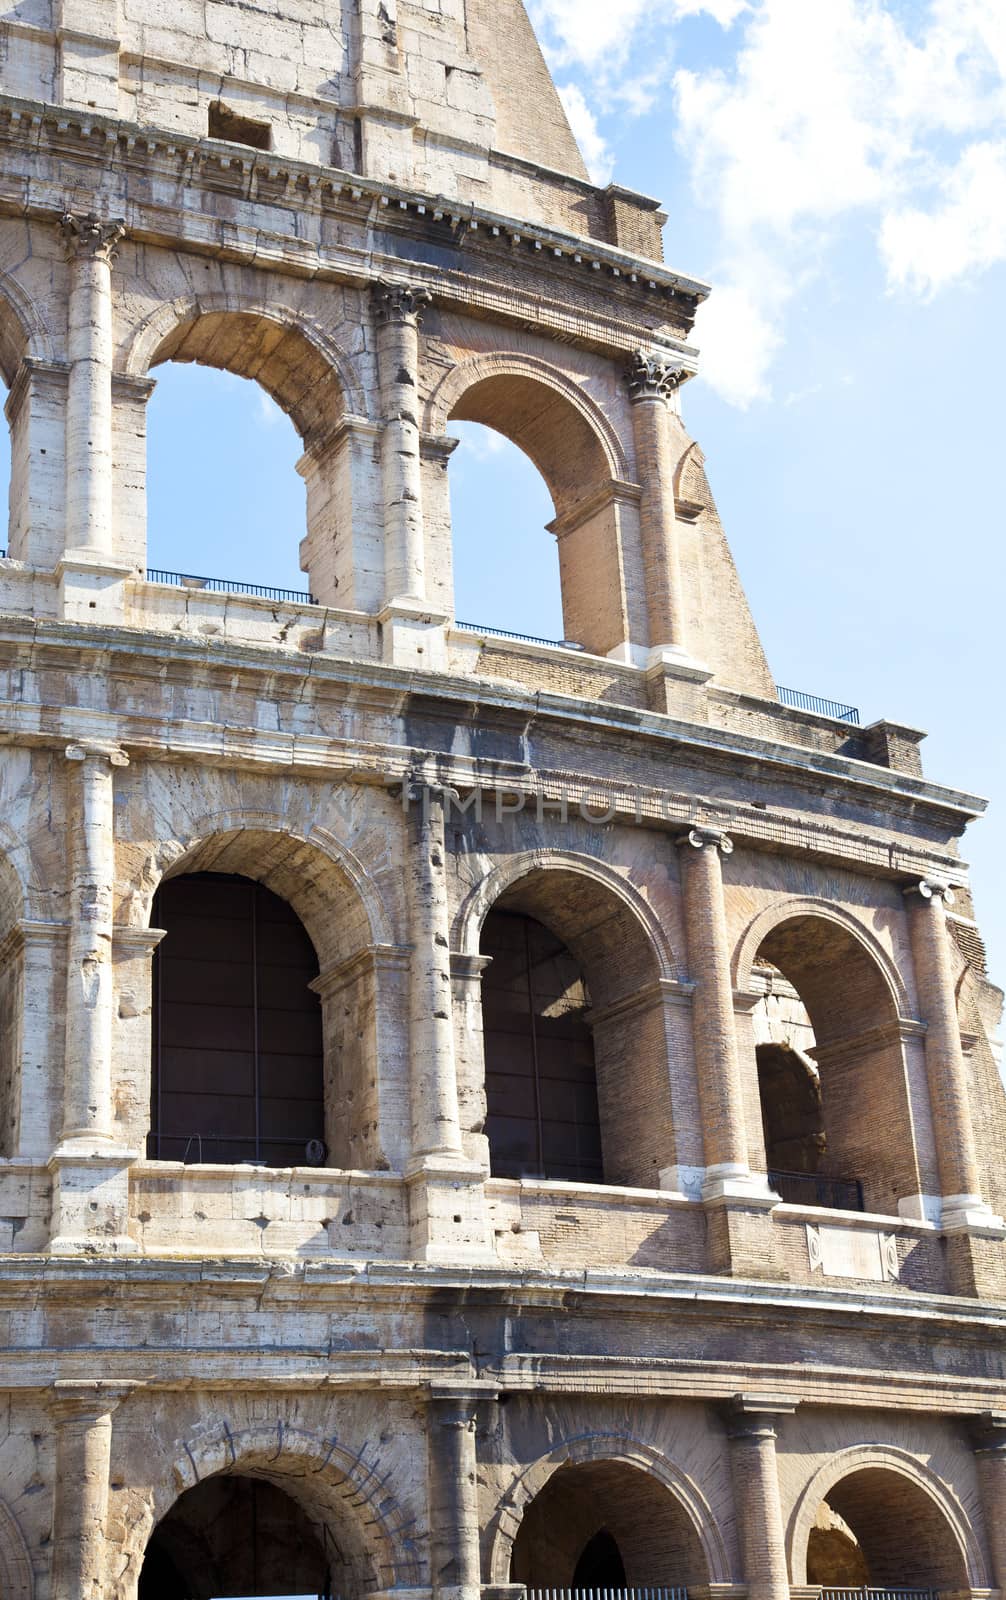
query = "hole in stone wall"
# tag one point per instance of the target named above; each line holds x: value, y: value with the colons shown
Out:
x: 506, y: 566
x: 236, y: 129
x: 224, y: 499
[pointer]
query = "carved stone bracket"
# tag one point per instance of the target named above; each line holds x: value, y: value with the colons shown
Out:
x: 649, y: 377
x: 90, y: 236
x: 401, y: 302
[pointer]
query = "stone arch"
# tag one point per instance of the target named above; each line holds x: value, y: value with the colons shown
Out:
x: 285, y: 350
x: 361, y: 972
x: 565, y: 434
x: 616, y: 1449
x: 856, y: 1147
x: 964, y: 1561
x: 797, y: 906
x: 346, y: 1489
x: 613, y: 1111
x: 490, y: 374
x: 510, y: 872
x: 263, y: 845
x: 23, y: 330
x: 17, y: 1580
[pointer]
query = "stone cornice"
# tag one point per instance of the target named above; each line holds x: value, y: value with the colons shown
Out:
x: 257, y: 177
x: 895, y: 851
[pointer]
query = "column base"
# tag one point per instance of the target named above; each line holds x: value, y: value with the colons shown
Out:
x: 969, y: 1212
x: 413, y: 634
x: 741, y: 1236
x: 92, y: 587
x: 448, y: 1225
x: 676, y: 684
x: 90, y: 1199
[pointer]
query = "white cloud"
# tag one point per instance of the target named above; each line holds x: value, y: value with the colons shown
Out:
x: 925, y: 251
x: 587, y: 134
x: 827, y: 115
x: 269, y: 413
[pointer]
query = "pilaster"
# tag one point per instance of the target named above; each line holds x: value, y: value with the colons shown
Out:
x: 751, y: 1430
x: 988, y: 1434
x: 82, y: 1412
x: 446, y: 1192
x: 90, y: 1172
x: 976, y: 1236
x: 454, y: 1513
x: 90, y: 572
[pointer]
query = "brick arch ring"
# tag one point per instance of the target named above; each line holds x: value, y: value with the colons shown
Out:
x: 888, y: 1458
x: 630, y: 1452
x: 758, y: 931
x: 145, y: 340
x: 292, y: 1457
x: 505, y: 364
x: 480, y: 901
x: 17, y: 1580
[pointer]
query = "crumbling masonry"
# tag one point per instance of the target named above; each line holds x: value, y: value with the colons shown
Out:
x: 475, y: 1114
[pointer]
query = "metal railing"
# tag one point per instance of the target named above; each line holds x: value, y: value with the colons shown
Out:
x: 879, y: 1594
x: 188, y: 580
x: 831, y: 1194
x: 525, y: 638
x: 608, y: 1594
x: 798, y: 701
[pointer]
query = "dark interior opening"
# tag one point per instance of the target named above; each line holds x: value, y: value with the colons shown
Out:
x: 541, y: 1083
x: 600, y: 1566
x: 230, y: 125
x: 237, y: 1068
x: 235, y: 1536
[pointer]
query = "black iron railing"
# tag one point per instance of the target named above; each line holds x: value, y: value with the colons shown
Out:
x: 188, y: 580
x: 811, y: 1189
x: 879, y: 1594
x: 675, y: 1593
x: 798, y: 701
x: 525, y: 638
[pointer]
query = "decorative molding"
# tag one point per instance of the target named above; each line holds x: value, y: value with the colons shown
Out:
x: 652, y: 377
x: 400, y: 302
x: 89, y: 237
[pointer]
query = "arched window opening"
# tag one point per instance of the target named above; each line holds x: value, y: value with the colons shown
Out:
x: 237, y: 1029
x: 541, y: 1083
x: 600, y: 1566
x: 506, y: 563
x: 606, y: 1521
x: 831, y: 1072
x: 575, y: 1044
x: 239, y: 1536
x: 553, y: 432
x: 12, y: 977
x: 880, y: 1529
x: 224, y: 499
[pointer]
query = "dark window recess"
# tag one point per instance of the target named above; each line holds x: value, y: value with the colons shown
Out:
x: 600, y: 1565
x: 541, y: 1085
x: 237, y: 1043
x: 227, y: 124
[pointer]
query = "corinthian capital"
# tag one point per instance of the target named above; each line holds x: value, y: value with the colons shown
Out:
x: 649, y: 377
x: 400, y: 302
x: 89, y: 236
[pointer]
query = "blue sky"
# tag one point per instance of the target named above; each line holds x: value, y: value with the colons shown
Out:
x: 837, y: 169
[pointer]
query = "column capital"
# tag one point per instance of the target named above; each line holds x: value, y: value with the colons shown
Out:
x: 700, y: 837
x: 89, y: 236
x: 930, y: 889
x: 988, y: 1433
x: 94, y: 750
x: 651, y: 377
x: 400, y: 302
x: 85, y: 1399
x: 755, y: 1416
